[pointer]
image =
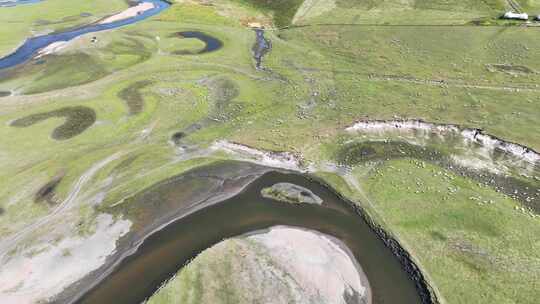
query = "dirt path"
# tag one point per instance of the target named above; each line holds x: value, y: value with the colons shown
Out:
x: 431, y: 82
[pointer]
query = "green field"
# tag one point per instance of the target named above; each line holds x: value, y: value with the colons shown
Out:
x: 341, y: 62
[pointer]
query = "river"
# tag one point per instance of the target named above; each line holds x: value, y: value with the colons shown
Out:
x: 32, y: 45
x: 163, y: 253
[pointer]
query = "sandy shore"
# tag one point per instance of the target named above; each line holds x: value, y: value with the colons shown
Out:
x: 320, y: 264
x: 129, y: 13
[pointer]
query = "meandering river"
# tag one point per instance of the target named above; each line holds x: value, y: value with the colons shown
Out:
x: 11, y: 3
x: 162, y: 254
x: 32, y: 45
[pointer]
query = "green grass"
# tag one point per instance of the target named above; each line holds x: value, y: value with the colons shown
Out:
x: 77, y: 119
x: 419, y: 12
x: 319, y: 80
x: 470, y: 240
x: 282, y: 10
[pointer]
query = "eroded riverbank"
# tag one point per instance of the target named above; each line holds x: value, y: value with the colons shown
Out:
x: 507, y: 167
x: 160, y: 252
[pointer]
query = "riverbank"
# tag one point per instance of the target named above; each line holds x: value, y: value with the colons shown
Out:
x: 131, y: 12
x: 469, y: 136
x: 427, y: 292
x: 276, y: 265
x: 32, y: 45
x: 270, y: 214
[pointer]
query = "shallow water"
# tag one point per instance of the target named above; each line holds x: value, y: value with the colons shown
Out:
x: 165, y: 252
x: 211, y: 43
x: 32, y: 45
x: 7, y: 3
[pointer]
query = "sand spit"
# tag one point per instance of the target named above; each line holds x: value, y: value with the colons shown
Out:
x: 52, y: 48
x: 469, y: 136
x: 36, y: 276
x: 279, y: 265
x: 129, y: 13
x: 320, y: 265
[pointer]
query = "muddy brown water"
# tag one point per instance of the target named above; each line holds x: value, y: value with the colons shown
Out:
x: 165, y: 252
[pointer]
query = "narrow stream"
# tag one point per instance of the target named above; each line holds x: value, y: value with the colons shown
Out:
x: 162, y: 254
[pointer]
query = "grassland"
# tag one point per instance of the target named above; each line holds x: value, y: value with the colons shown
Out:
x: 419, y: 12
x: 410, y: 62
x: 468, y: 237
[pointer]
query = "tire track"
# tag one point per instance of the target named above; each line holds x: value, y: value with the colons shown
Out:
x: 66, y: 204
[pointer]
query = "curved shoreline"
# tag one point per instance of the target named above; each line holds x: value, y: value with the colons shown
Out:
x: 31, y: 46
x: 73, y: 294
x: 412, y: 271
x: 426, y: 291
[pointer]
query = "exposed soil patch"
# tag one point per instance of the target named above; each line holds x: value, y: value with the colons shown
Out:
x: 211, y: 44
x: 78, y: 119
x: 133, y: 97
x: 47, y: 191
x: 419, y: 128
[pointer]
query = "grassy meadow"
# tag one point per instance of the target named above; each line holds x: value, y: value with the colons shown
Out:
x: 356, y: 60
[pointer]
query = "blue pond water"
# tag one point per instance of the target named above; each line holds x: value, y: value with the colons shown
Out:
x: 10, y: 3
x: 32, y: 45
x: 211, y: 43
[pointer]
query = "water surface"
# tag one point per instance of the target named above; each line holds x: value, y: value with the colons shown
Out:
x: 32, y: 45
x: 211, y: 43
x: 165, y: 252
x: 11, y: 3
